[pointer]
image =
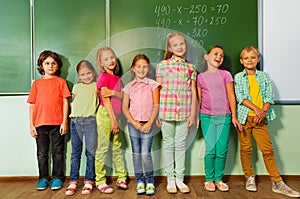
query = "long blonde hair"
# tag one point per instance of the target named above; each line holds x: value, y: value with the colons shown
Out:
x: 99, y: 54
x: 169, y: 54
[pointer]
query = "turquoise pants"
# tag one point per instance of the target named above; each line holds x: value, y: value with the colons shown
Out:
x: 216, y: 132
x: 105, y: 138
x: 174, y: 135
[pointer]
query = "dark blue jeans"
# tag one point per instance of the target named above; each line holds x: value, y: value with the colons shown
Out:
x: 141, y: 154
x: 47, y: 134
x: 83, y: 128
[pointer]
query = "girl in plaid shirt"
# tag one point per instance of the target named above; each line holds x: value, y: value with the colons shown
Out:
x: 177, y: 108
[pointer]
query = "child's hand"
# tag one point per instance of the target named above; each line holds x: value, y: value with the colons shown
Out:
x: 114, y: 128
x: 257, y: 120
x: 261, y: 114
x: 137, y: 125
x: 146, y: 127
x: 33, y: 132
x: 158, y: 122
x: 63, y: 129
x: 237, y: 125
x: 106, y: 92
x: 191, y: 123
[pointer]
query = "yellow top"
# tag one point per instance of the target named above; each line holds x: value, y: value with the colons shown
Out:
x: 254, y: 93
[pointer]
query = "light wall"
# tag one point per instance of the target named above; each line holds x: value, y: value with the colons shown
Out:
x: 18, y: 148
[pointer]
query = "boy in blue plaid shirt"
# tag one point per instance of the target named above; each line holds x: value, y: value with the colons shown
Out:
x: 254, y: 95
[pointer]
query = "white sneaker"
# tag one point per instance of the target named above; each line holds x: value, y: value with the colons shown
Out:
x: 282, y: 188
x: 250, y: 184
x: 171, y: 187
x: 183, y: 188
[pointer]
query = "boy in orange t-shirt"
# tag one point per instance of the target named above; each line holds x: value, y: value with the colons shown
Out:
x: 48, y: 99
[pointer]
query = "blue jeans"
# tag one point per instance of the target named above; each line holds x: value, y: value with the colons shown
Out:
x: 216, y: 132
x: 141, y: 154
x: 83, y: 127
x: 47, y: 134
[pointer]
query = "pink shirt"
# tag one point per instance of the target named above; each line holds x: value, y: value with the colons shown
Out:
x: 112, y: 82
x: 141, y: 99
x: 214, y: 95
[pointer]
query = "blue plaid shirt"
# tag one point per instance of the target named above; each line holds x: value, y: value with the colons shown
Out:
x: 241, y: 86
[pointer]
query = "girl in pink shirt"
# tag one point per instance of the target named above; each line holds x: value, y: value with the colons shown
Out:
x: 217, y: 111
x: 142, y: 94
x: 109, y: 89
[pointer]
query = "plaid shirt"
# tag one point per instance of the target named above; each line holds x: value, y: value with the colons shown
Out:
x: 241, y: 85
x: 175, y: 94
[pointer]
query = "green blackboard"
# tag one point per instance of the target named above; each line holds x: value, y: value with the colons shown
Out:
x: 141, y: 26
x: 15, y: 76
x: 71, y: 28
x: 75, y: 29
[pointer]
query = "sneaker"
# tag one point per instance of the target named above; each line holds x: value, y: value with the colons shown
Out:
x: 56, y: 184
x: 150, y: 189
x: 42, y: 184
x: 171, y: 187
x: 183, y: 188
x: 250, y: 184
x: 140, y: 188
x: 282, y: 188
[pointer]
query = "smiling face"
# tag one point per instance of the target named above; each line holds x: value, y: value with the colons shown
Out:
x: 86, y: 75
x: 215, y: 57
x: 108, y: 60
x: 140, y: 69
x: 250, y: 60
x: 50, y: 66
x: 177, y: 46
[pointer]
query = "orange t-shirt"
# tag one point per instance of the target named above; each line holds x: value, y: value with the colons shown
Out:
x: 47, y: 96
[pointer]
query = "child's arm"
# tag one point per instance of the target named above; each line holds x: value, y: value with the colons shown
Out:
x: 109, y: 108
x: 232, y: 104
x: 199, y: 92
x: 146, y: 127
x: 125, y: 104
x: 32, y: 127
x: 191, y: 119
x: 158, y: 120
x: 64, y: 125
x: 106, y: 92
x: 260, y: 113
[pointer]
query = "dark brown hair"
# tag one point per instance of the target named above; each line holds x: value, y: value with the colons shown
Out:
x: 137, y: 58
x: 43, y: 56
x: 209, y: 49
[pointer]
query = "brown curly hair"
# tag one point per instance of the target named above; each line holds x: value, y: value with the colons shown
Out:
x: 43, y: 56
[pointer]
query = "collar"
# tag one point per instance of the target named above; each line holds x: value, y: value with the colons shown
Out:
x: 145, y: 81
x: 177, y: 59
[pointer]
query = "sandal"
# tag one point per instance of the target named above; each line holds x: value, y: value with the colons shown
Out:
x: 87, y: 188
x: 209, y: 186
x: 72, y: 188
x: 222, y: 186
x: 122, y: 184
x: 104, y: 188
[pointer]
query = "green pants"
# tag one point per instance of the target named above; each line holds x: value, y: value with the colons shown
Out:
x: 216, y: 132
x: 105, y: 138
x: 174, y: 146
